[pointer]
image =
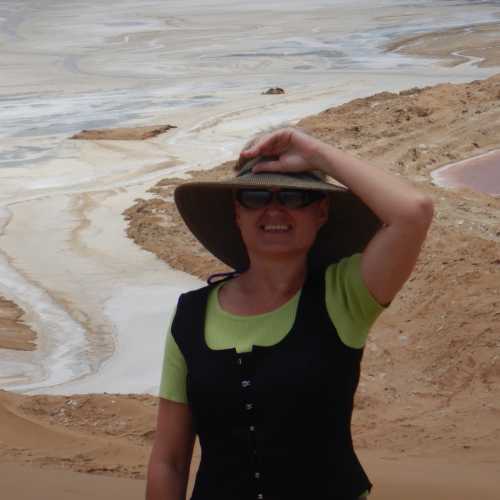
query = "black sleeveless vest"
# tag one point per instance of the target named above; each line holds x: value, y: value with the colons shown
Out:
x: 273, y: 423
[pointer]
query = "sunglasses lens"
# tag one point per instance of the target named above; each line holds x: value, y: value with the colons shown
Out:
x: 254, y: 198
x: 293, y: 198
x: 289, y: 198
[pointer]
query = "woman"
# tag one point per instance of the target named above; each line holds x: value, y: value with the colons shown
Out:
x: 263, y: 365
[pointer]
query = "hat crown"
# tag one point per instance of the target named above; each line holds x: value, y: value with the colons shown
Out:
x: 246, y: 169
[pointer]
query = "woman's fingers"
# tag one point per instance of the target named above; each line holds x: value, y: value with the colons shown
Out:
x: 291, y: 161
x: 268, y: 166
x: 272, y: 144
x: 293, y: 149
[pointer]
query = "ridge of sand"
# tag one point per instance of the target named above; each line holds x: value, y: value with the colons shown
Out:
x: 14, y: 334
x: 123, y: 133
x: 478, y: 44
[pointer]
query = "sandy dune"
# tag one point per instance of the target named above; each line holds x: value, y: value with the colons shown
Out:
x: 123, y: 134
x: 14, y: 334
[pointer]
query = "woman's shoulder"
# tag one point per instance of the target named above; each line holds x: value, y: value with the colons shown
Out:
x: 350, y: 304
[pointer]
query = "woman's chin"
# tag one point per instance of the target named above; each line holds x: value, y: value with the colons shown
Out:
x: 278, y: 244
x: 278, y: 252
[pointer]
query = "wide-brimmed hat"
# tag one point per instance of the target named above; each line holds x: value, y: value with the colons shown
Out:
x: 207, y: 208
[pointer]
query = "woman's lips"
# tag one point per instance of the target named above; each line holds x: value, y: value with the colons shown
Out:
x: 276, y: 228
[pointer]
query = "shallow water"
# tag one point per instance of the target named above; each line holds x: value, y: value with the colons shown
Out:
x: 481, y: 173
x: 201, y: 65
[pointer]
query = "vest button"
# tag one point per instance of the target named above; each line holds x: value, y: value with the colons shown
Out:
x: 252, y: 428
x: 245, y: 383
x: 249, y: 406
x: 240, y: 361
x: 256, y: 475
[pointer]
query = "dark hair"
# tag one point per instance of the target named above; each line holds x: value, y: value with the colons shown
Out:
x: 220, y: 277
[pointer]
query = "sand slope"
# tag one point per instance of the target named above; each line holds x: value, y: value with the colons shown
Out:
x: 14, y: 333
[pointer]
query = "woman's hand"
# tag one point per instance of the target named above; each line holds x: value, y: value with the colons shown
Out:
x: 294, y: 149
x: 405, y: 212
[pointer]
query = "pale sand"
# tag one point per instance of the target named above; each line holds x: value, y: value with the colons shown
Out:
x: 479, y: 44
x: 397, y: 479
x: 30, y: 483
x: 469, y: 477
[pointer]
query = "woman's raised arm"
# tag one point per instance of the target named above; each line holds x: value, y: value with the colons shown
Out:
x: 406, y: 213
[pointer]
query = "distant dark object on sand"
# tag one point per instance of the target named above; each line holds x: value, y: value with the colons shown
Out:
x: 122, y: 134
x: 273, y: 90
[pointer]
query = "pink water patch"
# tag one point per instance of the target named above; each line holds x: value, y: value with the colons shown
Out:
x: 481, y: 173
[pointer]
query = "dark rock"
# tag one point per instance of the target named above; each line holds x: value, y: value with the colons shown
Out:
x: 273, y: 90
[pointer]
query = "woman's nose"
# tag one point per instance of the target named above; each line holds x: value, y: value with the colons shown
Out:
x: 275, y: 205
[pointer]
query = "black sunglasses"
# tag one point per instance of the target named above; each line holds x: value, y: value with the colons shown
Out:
x: 289, y: 198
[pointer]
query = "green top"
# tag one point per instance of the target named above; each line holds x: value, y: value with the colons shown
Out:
x: 350, y: 305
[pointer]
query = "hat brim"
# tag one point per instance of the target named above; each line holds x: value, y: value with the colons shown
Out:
x: 207, y: 208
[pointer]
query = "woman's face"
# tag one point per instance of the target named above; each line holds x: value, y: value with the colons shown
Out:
x: 276, y: 231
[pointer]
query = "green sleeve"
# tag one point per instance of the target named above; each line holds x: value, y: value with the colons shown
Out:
x: 351, y: 306
x: 174, y: 370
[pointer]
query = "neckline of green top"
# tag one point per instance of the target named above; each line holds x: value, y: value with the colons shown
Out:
x: 219, y: 310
